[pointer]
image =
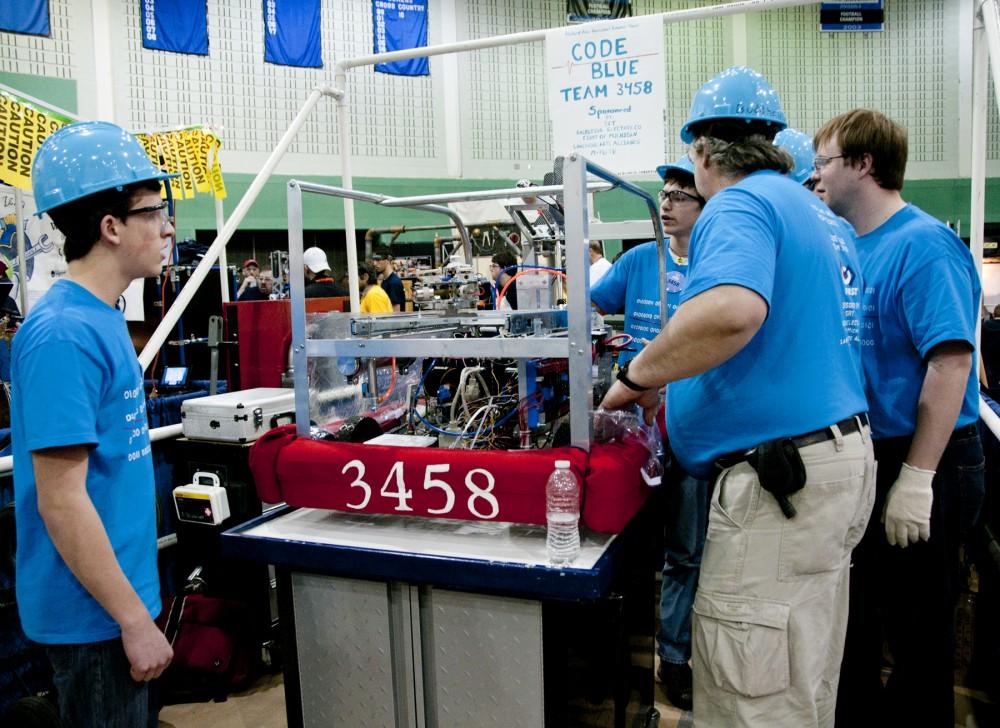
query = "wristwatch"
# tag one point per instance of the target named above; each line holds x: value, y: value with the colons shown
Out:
x: 623, y: 378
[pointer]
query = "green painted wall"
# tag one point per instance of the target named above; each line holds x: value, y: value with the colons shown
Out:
x: 946, y: 199
x: 60, y: 92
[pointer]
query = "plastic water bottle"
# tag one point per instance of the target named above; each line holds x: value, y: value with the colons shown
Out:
x: 562, y: 513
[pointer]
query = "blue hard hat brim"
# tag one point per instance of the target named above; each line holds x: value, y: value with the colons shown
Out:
x: 667, y: 168
x: 162, y: 177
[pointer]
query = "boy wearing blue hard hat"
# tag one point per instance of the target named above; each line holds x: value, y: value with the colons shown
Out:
x: 766, y: 398
x: 87, y: 581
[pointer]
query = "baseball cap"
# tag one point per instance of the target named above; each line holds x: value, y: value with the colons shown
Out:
x: 315, y: 260
x: 250, y: 261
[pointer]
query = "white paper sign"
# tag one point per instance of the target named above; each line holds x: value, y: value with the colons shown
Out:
x: 606, y: 93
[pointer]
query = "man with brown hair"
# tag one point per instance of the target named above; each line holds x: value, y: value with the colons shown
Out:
x: 87, y: 582
x: 920, y: 306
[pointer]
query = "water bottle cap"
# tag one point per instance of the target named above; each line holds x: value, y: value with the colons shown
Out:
x: 562, y: 464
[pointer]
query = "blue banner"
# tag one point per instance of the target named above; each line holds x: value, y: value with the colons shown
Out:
x: 862, y: 15
x: 291, y: 33
x: 180, y: 26
x: 25, y: 16
x: 399, y: 25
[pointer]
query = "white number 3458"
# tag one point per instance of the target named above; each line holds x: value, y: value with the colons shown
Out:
x: 481, y: 501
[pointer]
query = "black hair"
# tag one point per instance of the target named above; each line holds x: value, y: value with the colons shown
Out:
x: 80, y: 220
x: 369, y: 270
x: 505, y: 259
x: 685, y: 179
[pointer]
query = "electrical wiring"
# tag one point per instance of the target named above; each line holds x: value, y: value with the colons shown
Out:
x: 482, y: 410
x: 628, y: 339
x: 392, y: 384
x: 435, y: 428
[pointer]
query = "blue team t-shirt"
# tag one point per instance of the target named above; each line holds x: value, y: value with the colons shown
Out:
x: 632, y: 285
x: 801, y: 371
x: 76, y: 381
x: 921, y: 289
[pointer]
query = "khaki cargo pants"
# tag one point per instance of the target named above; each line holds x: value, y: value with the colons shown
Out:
x: 771, y: 610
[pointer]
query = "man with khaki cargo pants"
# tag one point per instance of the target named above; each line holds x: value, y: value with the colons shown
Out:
x: 766, y: 396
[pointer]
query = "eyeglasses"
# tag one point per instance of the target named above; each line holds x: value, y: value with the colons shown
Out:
x: 494, y: 265
x: 676, y: 196
x: 160, y: 208
x: 819, y: 161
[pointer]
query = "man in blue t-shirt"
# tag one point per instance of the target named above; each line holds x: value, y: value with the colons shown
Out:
x: 87, y: 582
x: 632, y: 286
x: 921, y: 303
x: 766, y: 396
x: 391, y: 283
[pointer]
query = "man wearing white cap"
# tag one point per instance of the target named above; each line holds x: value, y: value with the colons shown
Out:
x: 320, y: 281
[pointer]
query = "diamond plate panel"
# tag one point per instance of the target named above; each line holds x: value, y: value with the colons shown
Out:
x: 482, y: 660
x: 345, y: 661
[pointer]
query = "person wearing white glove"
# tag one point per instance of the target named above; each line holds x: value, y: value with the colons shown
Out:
x: 920, y: 304
x: 907, y: 515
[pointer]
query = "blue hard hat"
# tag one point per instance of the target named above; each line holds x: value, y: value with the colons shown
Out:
x: 800, y: 146
x: 736, y: 93
x: 85, y: 158
x: 683, y: 163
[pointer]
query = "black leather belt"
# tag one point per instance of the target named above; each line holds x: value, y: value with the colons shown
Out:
x: 846, y: 427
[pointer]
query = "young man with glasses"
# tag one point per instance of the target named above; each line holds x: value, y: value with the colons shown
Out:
x: 765, y: 395
x: 632, y: 286
x: 87, y: 581
x: 503, y: 266
x: 921, y: 305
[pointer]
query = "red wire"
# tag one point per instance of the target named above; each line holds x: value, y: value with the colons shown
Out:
x: 392, y: 383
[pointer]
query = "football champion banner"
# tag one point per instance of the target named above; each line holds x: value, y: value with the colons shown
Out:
x: 292, y: 34
x: 398, y: 25
x: 180, y: 26
x: 583, y: 11
x: 25, y: 16
x: 192, y: 152
x: 606, y: 93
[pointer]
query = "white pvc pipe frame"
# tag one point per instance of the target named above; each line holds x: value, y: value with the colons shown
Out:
x: 987, y: 10
x: 339, y: 92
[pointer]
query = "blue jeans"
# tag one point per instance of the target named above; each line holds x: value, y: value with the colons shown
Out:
x: 95, y: 688
x: 686, y: 523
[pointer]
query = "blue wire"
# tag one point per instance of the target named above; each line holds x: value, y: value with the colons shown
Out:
x: 464, y: 434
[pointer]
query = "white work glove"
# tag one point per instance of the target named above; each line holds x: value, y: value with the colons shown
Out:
x: 907, y: 514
